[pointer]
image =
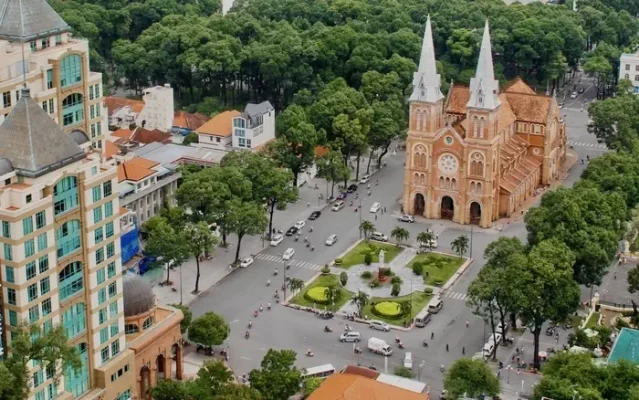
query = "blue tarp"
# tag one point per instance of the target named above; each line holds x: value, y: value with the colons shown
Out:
x: 130, y: 244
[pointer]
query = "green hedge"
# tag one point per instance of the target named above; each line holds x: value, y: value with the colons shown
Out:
x: 318, y: 291
x: 387, y: 309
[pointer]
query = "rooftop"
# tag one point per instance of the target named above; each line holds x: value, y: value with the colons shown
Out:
x: 25, y: 20
x: 114, y: 103
x: 626, y: 346
x: 190, y: 121
x: 344, y: 386
x: 136, y: 169
x: 219, y: 125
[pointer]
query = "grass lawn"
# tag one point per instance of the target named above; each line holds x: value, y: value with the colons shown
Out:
x: 592, y: 321
x: 356, y: 255
x: 420, y: 300
x: 323, y: 280
x: 432, y: 272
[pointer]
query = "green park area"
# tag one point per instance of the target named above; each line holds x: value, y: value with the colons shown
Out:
x: 315, y: 294
x: 436, y: 268
x: 357, y: 255
x: 396, y: 310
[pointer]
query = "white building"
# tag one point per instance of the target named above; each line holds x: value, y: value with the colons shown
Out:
x: 37, y: 49
x: 629, y: 69
x: 232, y: 130
x: 154, y: 111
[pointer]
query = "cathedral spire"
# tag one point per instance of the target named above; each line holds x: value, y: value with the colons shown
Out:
x: 484, y: 88
x: 426, y: 81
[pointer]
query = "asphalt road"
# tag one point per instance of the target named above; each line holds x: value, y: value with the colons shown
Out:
x: 241, y: 293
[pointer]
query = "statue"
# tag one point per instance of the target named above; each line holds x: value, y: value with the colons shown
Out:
x: 381, y: 258
x: 626, y: 247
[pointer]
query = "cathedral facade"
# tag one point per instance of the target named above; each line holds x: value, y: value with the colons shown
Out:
x: 478, y: 153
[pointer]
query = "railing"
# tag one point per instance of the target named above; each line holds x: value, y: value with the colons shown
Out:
x: 160, y: 183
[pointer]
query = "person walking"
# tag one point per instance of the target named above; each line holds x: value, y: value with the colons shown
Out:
x: 446, y: 346
x: 463, y: 351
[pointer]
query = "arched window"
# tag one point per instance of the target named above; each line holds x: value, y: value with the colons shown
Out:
x: 76, y: 381
x: 130, y: 328
x: 422, y: 179
x: 416, y: 178
x: 473, y: 187
x: 637, y: 77
x: 72, y: 109
x: 65, y: 195
x: 447, y: 184
x: 422, y: 161
x: 478, y: 187
x: 70, y: 280
x: 425, y: 115
x: 482, y: 126
x: 441, y: 182
x: 147, y: 323
x: 475, y: 126
x: 480, y: 168
x: 418, y: 120
x: 416, y: 158
x: 68, y: 238
x: 627, y: 76
x: 70, y: 70
x: 454, y: 184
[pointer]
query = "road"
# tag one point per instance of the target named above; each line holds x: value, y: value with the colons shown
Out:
x: 238, y: 295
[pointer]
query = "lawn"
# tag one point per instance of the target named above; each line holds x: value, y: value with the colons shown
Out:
x: 593, y: 320
x: 356, y: 255
x: 420, y: 300
x: 322, y: 280
x: 433, y: 272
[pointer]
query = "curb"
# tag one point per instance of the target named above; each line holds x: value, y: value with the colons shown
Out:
x: 457, y: 274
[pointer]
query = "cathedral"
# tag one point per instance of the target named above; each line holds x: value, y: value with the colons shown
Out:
x: 476, y: 154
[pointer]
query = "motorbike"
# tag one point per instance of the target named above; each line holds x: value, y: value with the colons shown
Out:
x: 357, y: 350
x: 327, y: 329
x: 312, y: 248
x: 308, y: 244
x: 250, y: 324
x: 268, y: 307
x: 275, y: 273
x: 255, y: 314
x: 310, y: 229
x: 246, y: 335
x: 288, y: 266
x: 400, y: 345
x: 309, y: 354
x: 347, y: 328
x: 297, y: 238
x: 398, y: 340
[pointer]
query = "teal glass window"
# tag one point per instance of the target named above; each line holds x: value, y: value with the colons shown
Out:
x: 13, y: 318
x: 105, y: 354
x: 27, y: 225
x: 34, y: 314
x: 47, y: 326
x: 49, y: 79
x: 110, y: 250
x: 113, y: 307
x: 68, y: 238
x: 11, y: 296
x: 115, y: 348
x: 70, y: 70
x: 99, y: 255
x: 126, y: 395
x: 97, y: 193
x: 147, y: 323
x: 52, y: 390
x: 70, y: 280
x: 46, y: 307
x: 100, y: 275
x: 9, y: 275
x: 31, y: 270
x: 102, y: 296
x: 113, y: 290
x: 104, y: 335
x: 74, y: 320
x: 97, y: 214
x: 6, y: 229
x: 72, y: 109
x: 99, y: 235
x: 108, y: 227
x: 108, y: 190
x: 41, y: 219
x: 111, y: 270
x: 42, y: 242
x: 38, y: 378
x: 43, y: 263
x: 108, y: 209
x: 29, y: 248
x: 115, y: 329
x: 77, y: 381
x: 45, y: 285
x: 40, y: 395
x: 32, y: 291
x: 65, y: 195
x: 8, y: 252
x: 102, y: 316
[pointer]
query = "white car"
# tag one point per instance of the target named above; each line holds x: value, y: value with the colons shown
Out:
x: 365, y: 179
x: 246, y: 262
x: 379, y: 237
x: 379, y: 325
x: 288, y: 254
x: 375, y: 207
x: 406, y: 218
x: 573, y: 95
x: 300, y: 224
x: 277, y: 239
x: 331, y: 240
x: 408, y: 360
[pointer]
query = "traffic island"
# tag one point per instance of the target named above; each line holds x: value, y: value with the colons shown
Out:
x: 436, y: 268
x: 317, y: 293
x: 367, y: 252
x: 397, y: 311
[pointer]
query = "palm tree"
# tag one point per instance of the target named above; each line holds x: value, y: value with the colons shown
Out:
x: 361, y: 299
x: 426, y: 239
x: 295, y: 284
x: 333, y: 294
x: 460, y: 245
x: 400, y: 234
x: 405, y: 308
x: 366, y: 227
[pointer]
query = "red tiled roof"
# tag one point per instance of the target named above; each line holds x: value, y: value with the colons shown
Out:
x: 146, y: 136
x: 190, y: 121
x: 114, y: 103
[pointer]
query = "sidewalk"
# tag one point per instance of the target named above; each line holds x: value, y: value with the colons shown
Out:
x: 214, y: 270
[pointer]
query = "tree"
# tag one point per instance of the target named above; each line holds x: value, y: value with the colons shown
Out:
x: 295, y: 284
x: 343, y: 278
x: 165, y: 243
x: 405, y: 308
x: 426, y: 239
x: 460, y: 245
x: 50, y: 348
x: 633, y: 280
x: 395, y: 289
x: 366, y: 227
x: 188, y: 316
x: 481, y: 300
x: 331, y: 167
x: 361, y: 299
x: 209, y: 330
x: 232, y: 391
x: 191, y: 137
x: 200, y: 241
x: 333, y: 294
x: 470, y: 378
x: 167, y: 389
x: 546, y: 289
x: 245, y: 218
x: 310, y: 384
x: 400, y: 234
x: 278, y: 378
x: 213, y: 375
x: 404, y: 372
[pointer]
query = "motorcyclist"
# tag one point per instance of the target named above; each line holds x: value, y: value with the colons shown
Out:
x: 275, y: 273
x: 268, y: 282
x: 250, y: 323
x: 310, y: 229
x: 268, y: 306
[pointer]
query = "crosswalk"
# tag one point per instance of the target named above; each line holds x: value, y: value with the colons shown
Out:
x: 456, y: 295
x: 574, y: 109
x: 597, y: 146
x: 294, y: 263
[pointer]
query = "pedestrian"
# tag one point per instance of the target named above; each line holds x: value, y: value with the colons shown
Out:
x: 384, y: 209
x: 375, y: 217
x: 308, y: 204
x: 463, y: 350
x: 446, y: 346
x: 432, y: 335
x: 467, y: 323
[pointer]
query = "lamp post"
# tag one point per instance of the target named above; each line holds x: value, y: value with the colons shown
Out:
x: 360, y: 217
x: 284, y: 285
x: 419, y: 370
x: 471, y: 241
x: 180, y: 282
x: 508, y: 368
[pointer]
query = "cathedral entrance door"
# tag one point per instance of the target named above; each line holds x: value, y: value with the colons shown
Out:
x: 447, y: 208
x: 419, y: 204
x: 475, y: 213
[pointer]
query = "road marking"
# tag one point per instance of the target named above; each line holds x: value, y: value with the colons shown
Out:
x: 245, y: 358
x: 598, y: 146
x: 456, y: 295
x: 234, y: 321
x: 294, y: 263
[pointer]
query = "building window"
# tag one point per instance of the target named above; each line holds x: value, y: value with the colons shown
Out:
x: 6, y: 99
x: 111, y: 269
x: 17, y: 96
x: 110, y: 250
x: 74, y: 320
x: 65, y: 195
x: 107, y: 188
x: 8, y: 253
x: 44, y: 106
x: 91, y: 93
x: 68, y: 238
x: 109, y: 229
x: 50, y: 82
x: 104, y: 335
x: 33, y: 45
x: 70, y: 70
x: 45, y: 43
x: 99, y: 235
x: 113, y: 307
x: 43, y: 263
x: 27, y: 225
x: 11, y: 296
x: 52, y: 390
x: 147, y: 323
x: 28, y: 198
x: 97, y: 193
x: 58, y: 39
x: 102, y: 316
x: 13, y: 318
x: 115, y: 347
x: 100, y: 276
x: 241, y: 142
x: 34, y: 314
x: 9, y: 276
x: 6, y: 229
x: 45, y: 285
x: 72, y: 109
x: 113, y: 290
x: 130, y: 328
x: 76, y: 382
x: 115, y: 329
x: 101, y: 296
x: 105, y: 354
x: 627, y: 76
x: 32, y: 291
x: 29, y: 248
x: 99, y: 255
x: 51, y: 107
x: 41, y: 219
x: 627, y: 67
x: 70, y: 280
x: 31, y: 270
x: 97, y: 215
x: 42, y: 242
x: 108, y: 209
x: 38, y: 379
x: 46, y: 307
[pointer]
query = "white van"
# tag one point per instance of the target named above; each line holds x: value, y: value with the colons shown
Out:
x: 496, y: 339
x: 338, y: 205
x: 489, y: 349
x: 422, y: 319
x: 350, y: 337
x: 375, y: 207
x: 435, y: 305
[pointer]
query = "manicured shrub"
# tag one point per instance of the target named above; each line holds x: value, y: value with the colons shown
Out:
x: 343, y: 278
x: 387, y: 272
x: 326, y: 270
x: 338, y: 261
x: 388, y: 308
x: 368, y: 258
x: 395, y: 289
x: 418, y: 268
x: 366, y: 275
x: 428, y: 290
x: 375, y: 283
x: 396, y: 279
x: 316, y: 294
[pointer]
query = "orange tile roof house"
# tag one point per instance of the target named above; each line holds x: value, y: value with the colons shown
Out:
x: 355, y: 387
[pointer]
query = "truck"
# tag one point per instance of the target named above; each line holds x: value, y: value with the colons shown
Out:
x: 379, y: 346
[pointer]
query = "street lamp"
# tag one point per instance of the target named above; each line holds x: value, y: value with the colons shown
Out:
x: 419, y: 370
x: 180, y: 281
x: 508, y: 368
x: 471, y: 241
x: 360, y: 217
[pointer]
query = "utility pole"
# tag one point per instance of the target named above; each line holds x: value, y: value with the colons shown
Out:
x: 360, y: 217
x: 471, y: 241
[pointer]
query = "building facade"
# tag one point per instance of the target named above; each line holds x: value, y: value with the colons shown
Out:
x: 629, y: 69
x: 154, y: 111
x: 39, y: 50
x: 477, y: 154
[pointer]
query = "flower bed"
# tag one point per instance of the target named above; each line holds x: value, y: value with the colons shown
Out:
x: 389, y: 309
x: 316, y: 294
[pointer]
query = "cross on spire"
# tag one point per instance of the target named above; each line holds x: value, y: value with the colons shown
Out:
x: 484, y: 88
x: 426, y: 81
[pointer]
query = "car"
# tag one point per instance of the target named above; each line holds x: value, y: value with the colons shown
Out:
x: 573, y: 95
x: 365, y: 179
x: 291, y: 231
x: 277, y: 239
x: 288, y: 254
x: 246, y: 262
x: 300, y: 224
x: 351, y: 188
x: 379, y: 326
x: 408, y: 360
x: 350, y: 337
x: 338, y: 205
x: 380, y: 237
x: 331, y: 240
x: 406, y: 218
x: 314, y: 215
x: 375, y: 207
x: 581, y: 90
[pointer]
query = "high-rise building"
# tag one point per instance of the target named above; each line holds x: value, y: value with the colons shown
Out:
x: 38, y: 49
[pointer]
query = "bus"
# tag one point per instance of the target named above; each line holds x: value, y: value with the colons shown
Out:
x: 322, y: 371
